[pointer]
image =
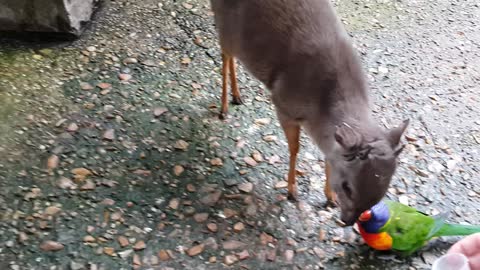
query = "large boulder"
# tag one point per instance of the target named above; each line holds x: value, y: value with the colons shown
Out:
x: 64, y: 16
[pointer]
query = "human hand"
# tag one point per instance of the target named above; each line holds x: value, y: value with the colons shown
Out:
x: 470, y: 247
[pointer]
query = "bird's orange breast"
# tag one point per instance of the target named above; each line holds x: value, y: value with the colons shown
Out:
x: 378, y: 241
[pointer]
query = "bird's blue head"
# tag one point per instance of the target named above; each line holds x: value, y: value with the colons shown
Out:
x: 375, y: 218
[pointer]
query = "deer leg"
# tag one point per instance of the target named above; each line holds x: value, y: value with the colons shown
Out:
x: 329, y: 193
x: 292, y: 132
x: 226, y: 59
x: 236, y: 98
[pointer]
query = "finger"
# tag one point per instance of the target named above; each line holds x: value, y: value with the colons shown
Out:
x: 474, y: 263
x: 468, y: 245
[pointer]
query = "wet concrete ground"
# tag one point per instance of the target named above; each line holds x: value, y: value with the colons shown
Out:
x: 112, y: 150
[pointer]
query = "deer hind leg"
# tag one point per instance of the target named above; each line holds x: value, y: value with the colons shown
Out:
x: 236, y: 98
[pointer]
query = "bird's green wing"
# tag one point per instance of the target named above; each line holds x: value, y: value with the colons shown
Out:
x: 407, y: 227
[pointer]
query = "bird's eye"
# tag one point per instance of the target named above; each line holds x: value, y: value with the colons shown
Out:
x: 365, y: 216
x: 347, y: 190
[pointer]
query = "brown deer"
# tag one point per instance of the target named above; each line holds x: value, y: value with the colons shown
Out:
x: 300, y: 51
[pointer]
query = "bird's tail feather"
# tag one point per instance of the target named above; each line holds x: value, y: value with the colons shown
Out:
x: 456, y: 229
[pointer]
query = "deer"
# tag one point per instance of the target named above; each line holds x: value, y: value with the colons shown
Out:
x: 301, y: 52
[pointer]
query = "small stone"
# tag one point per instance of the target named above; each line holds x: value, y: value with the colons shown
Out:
x: 383, y: 69
x: 230, y: 259
x: 22, y: 237
x: 270, y: 138
x: 157, y: 112
x: 123, y: 241
x: 403, y: 199
x: 163, y: 255
x: 108, y: 201
x: 250, y: 161
x: 191, y: 188
x: 90, y: 229
x: 52, y: 162
x: 52, y: 210
x: 271, y: 255
x: 65, y: 183
x: 266, y: 238
x: 104, y: 86
x: 86, y: 86
x: 76, y: 266
x: 200, y: 217
x: 212, y: 259
x: 178, y: 170
x: 246, y: 187
x: 181, y: 145
x: 89, y: 239
x: 263, y: 121
x: 72, y: 127
x: 80, y: 173
x: 273, y: 159
x: 212, y: 227
x: 212, y: 198
x: 174, y: 203
x: 229, y: 213
x: 257, y: 156
x: 195, y: 250
x: 10, y: 244
x: 124, y: 77
x: 281, y: 184
x: 187, y: 6
x: 216, y: 162
x: 243, y: 255
x: 91, y: 48
x: 319, y: 252
x: 110, y: 251
x: 288, y: 255
x: 136, y: 259
x: 130, y: 60
x: 238, y: 227
x: 186, y: 60
x: 233, y: 244
x: 149, y: 63
x: 126, y: 253
x: 51, y: 246
x: 89, y: 185
x: 109, y: 135
x: 140, y: 245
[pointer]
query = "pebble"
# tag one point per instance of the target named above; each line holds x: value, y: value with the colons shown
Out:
x: 72, y: 127
x: 230, y: 259
x: 195, y: 250
x: 174, y: 203
x: 181, y: 145
x: 178, y: 170
x: 126, y: 253
x: 140, y: 245
x: 89, y: 185
x: 76, y: 266
x: 104, y: 86
x: 238, y: 227
x: 250, y: 161
x: 52, y: 162
x: 288, y: 255
x: 246, y: 187
x: 201, y: 217
x: 233, y: 244
x: 243, y: 255
x: 212, y: 198
x: 124, y: 77
x: 281, y: 185
x: 157, y: 112
x: 216, y: 162
x: 163, y: 255
x: 270, y: 138
x: 130, y: 60
x: 212, y: 227
x: 51, y: 246
x: 89, y: 239
x: 52, y: 210
x: 123, y: 241
x: 109, y: 135
x: 65, y: 183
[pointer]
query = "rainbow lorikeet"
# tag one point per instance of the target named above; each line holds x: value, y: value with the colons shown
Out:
x: 390, y: 225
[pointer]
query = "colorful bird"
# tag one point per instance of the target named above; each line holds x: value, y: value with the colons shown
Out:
x: 394, y: 226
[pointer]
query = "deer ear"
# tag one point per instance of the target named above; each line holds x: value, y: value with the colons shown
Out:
x: 395, y: 134
x: 347, y: 137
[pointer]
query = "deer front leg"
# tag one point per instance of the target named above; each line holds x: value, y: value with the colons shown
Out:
x: 329, y: 193
x: 226, y: 59
x: 236, y: 98
x: 292, y: 132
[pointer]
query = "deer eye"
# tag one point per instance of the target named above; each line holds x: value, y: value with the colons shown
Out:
x: 346, y: 188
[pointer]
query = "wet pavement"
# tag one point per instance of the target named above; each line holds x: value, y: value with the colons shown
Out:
x: 112, y: 155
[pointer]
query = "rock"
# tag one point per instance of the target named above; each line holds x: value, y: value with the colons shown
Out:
x: 216, y: 162
x: 51, y: 246
x: 72, y: 127
x: 110, y: 251
x: 191, y: 188
x: 86, y: 86
x: 124, y: 77
x: 64, y: 16
x: 263, y: 121
x: 403, y: 199
x: 136, y: 260
x: 233, y: 244
x: 271, y: 255
x: 250, y: 161
x: 22, y: 237
x: 159, y: 111
x: 212, y: 198
x: 89, y: 185
x: 79, y: 174
x: 238, y: 227
x: 89, y: 239
x: 230, y: 259
x: 65, y: 183
x: 52, y: 162
x: 288, y: 255
x: 163, y: 255
x: 195, y: 250
x: 181, y: 145
x: 246, y: 187
x: 10, y: 244
x: 149, y: 63
x: 281, y: 184
x: 123, y: 241
x: 174, y: 203
x: 270, y: 138
x: 140, y: 245
x: 76, y: 266
x: 243, y: 255
x: 52, y: 210
x: 229, y: 212
x: 126, y: 253
x: 212, y: 227
x: 109, y: 135
x: 200, y: 217
x: 178, y: 170
x: 319, y: 252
